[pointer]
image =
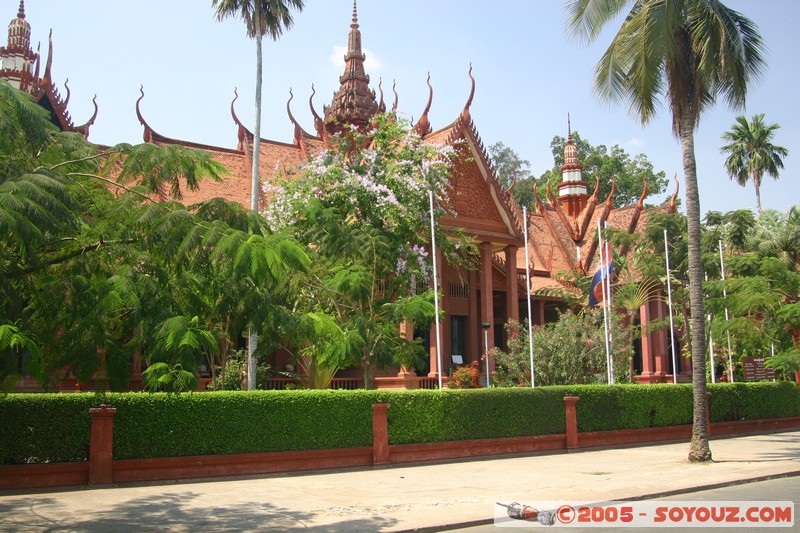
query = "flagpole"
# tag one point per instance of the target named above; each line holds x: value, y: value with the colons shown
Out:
x: 671, y: 323
x: 605, y: 313
x: 436, y: 295
x: 528, y: 292
x: 725, y: 298
x: 609, y: 261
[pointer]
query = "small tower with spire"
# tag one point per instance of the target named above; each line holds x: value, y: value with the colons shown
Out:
x: 354, y: 103
x: 573, y: 192
x: 17, y: 58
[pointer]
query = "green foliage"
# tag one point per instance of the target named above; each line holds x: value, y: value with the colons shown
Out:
x: 170, y: 378
x: 611, y: 164
x: 508, y: 166
x: 55, y: 427
x: 448, y: 415
x: 162, y: 425
x: 230, y: 377
x: 752, y: 401
x: 632, y: 406
x: 361, y: 207
x: 45, y: 428
x: 569, y: 351
x: 751, y: 153
x: 94, y: 270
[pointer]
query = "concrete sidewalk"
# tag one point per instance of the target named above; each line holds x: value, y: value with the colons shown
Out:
x: 397, y: 498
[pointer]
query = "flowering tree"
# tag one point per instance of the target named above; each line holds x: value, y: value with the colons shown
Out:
x: 362, y: 208
x: 569, y: 351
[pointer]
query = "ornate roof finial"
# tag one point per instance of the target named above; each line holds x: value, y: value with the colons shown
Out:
x: 381, y: 105
x: 640, y: 203
x: 611, y: 194
x: 673, y: 202
x: 423, y: 125
x: 396, y: 98
x: 354, y: 103
x: 148, y: 131
x: 66, y: 98
x: 21, y: 12
x: 46, y: 79
x: 464, y: 116
x: 569, y: 127
x: 85, y: 127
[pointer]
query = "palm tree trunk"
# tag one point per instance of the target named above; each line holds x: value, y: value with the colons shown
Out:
x: 255, y: 182
x: 757, y: 185
x: 699, y: 450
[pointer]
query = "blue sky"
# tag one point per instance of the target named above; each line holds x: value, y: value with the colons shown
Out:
x: 528, y: 73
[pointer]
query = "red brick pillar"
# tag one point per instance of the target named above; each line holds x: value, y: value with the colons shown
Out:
x: 101, y: 444
x: 380, y: 434
x: 571, y: 416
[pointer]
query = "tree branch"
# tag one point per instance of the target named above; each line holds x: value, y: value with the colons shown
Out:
x: 63, y: 258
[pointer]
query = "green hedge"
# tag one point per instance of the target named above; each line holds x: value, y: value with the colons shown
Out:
x: 55, y: 427
x: 751, y: 401
x: 165, y: 425
x: 45, y: 428
x: 463, y: 414
x: 604, y: 408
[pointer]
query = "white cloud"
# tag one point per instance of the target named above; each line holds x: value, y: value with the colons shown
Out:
x: 371, y: 64
x: 634, y: 142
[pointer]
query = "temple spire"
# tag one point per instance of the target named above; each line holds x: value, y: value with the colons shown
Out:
x: 17, y: 59
x: 573, y: 190
x: 354, y: 103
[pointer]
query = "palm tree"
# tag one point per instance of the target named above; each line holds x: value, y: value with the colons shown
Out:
x: 751, y: 152
x: 690, y: 51
x: 262, y: 17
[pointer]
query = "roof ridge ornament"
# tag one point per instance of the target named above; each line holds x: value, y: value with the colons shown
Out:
x: 465, y: 112
x: 84, y: 128
x: 148, y: 131
x: 640, y: 203
x: 46, y: 79
x: 673, y: 202
x: 611, y: 194
x: 423, y: 125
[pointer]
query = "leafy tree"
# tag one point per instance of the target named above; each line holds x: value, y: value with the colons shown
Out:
x: 362, y: 207
x: 778, y: 235
x: 690, y: 51
x: 509, y: 167
x: 261, y: 17
x: 95, y: 270
x: 628, y: 174
x: 570, y: 351
x: 751, y: 153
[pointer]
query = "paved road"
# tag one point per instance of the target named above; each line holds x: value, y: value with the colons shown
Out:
x: 398, y: 497
x: 780, y: 489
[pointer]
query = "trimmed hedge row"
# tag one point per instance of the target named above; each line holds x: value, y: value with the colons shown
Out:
x: 42, y: 428
x: 45, y: 428
x: 464, y: 414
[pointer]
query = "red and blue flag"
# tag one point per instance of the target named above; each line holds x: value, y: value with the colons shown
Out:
x: 596, y: 288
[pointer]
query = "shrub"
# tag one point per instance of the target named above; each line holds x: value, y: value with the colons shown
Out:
x: 42, y: 428
x: 45, y: 428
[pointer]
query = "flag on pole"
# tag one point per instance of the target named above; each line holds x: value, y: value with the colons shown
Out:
x: 596, y: 292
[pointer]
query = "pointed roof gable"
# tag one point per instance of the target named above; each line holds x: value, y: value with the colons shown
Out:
x: 480, y: 203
